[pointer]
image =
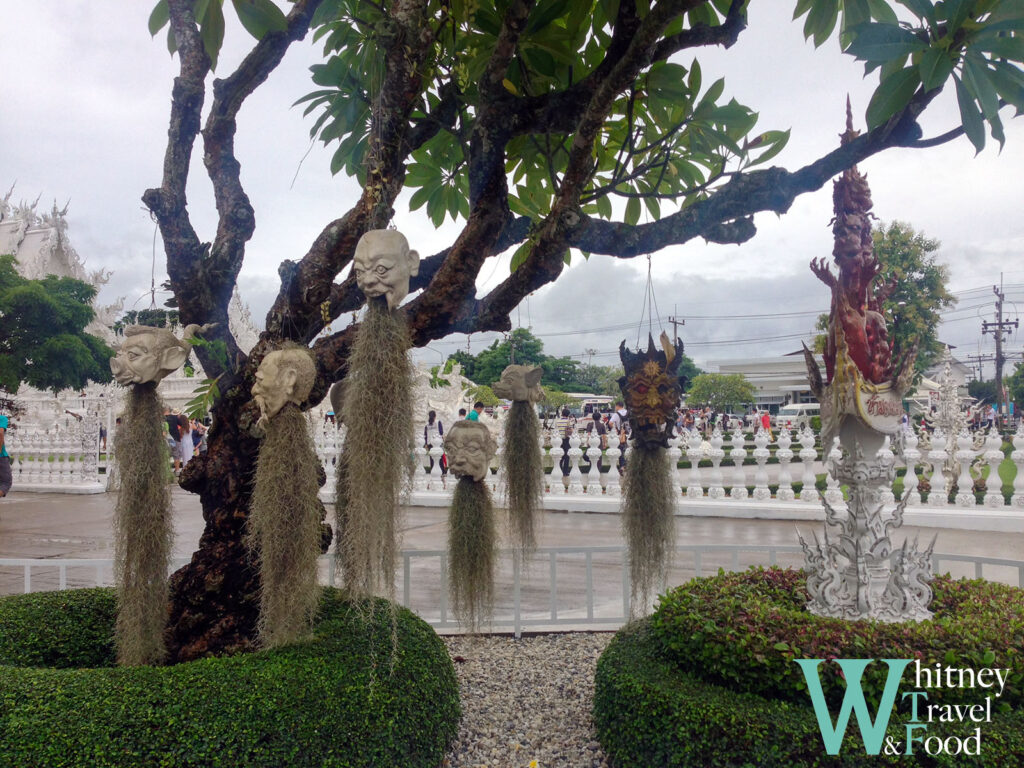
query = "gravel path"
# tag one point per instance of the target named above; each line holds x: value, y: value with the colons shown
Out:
x: 526, y: 700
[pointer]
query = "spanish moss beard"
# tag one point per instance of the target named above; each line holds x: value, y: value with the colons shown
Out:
x: 472, y: 553
x: 284, y: 531
x: 375, y: 464
x: 524, y: 476
x: 143, y: 532
x: 648, y: 522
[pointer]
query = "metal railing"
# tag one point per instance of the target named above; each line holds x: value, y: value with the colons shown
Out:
x: 558, y: 587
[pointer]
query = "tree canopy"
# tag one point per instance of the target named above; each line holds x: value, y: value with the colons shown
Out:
x: 43, y: 342
x: 1015, y: 385
x: 723, y: 392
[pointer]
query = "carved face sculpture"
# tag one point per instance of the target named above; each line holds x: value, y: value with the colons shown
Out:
x: 470, y: 448
x: 147, y: 354
x: 651, y: 390
x: 383, y: 265
x: 520, y: 383
x: 284, y: 376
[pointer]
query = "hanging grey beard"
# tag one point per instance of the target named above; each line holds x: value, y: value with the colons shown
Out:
x: 373, y: 472
x: 284, y: 531
x: 472, y: 553
x: 524, y: 475
x: 648, y: 521
x: 143, y: 533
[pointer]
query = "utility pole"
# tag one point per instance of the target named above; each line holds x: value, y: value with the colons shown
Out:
x: 675, y: 330
x: 978, y: 360
x: 997, y: 329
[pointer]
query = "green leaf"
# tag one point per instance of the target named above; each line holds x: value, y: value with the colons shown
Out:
x: 260, y: 17
x: 212, y: 31
x: 520, y: 256
x: 632, y: 210
x: 604, y: 207
x: 821, y: 20
x: 956, y: 13
x: 775, y: 141
x: 781, y: 646
x: 996, y: 128
x: 892, y: 95
x: 1009, y: 83
x: 160, y: 15
x: 883, y: 42
x: 923, y: 9
x: 974, y: 127
x: 936, y: 66
x: 1000, y: 45
x: 979, y: 84
x: 882, y: 11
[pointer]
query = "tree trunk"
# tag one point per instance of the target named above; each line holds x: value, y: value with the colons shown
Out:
x: 214, y: 599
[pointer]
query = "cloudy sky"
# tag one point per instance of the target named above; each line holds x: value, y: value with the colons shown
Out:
x: 85, y: 95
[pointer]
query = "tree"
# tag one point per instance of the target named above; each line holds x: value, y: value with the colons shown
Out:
x: 689, y: 371
x: 920, y: 295
x: 43, y: 342
x: 156, y: 318
x: 525, y: 120
x: 984, y: 391
x: 913, y: 309
x: 723, y: 392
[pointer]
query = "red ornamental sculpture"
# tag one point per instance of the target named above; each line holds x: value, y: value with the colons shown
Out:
x: 866, y: 376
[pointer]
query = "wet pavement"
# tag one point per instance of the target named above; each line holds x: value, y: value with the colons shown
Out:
x: 58, y: 526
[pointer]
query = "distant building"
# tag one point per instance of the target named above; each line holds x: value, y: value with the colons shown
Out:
x: 777, y: 380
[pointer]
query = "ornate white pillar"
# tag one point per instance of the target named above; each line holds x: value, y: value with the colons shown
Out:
x: 887, y: 456
x: 674, y: 454
x: 993, y: 457
x: 716, y: 491
x: 938, y: 495
x: 785, y: 455
x: 695, y: 488
x: 575, y: 477
x: 738, y: 454
x: 808, y: 456
x: 612, y: 487
x: 1018, y: 459
x: 964, y: 457
x: 833, y: 491
x: 761, y: 454
x: 910, y: 457
x: 557, y: 479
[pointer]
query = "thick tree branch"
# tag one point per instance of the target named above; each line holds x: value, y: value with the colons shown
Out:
x: 406, y: 43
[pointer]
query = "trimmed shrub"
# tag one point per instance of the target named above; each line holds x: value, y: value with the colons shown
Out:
x: 362, y: 692
x: 649, y: 712
x: 745, y: 629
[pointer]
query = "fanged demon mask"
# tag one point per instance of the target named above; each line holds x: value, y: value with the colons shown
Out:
x: 651, y: 390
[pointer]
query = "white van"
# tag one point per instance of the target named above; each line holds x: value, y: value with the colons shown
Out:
x: 797, y: 415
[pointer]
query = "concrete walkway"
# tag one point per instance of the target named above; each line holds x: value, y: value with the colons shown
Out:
x: 45, y: 525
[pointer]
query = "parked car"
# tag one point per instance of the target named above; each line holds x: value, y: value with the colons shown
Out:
x: 797, y: 415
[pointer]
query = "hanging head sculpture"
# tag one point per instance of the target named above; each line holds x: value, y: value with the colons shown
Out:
x: 520, y: 383
x: 651, y: 390
x: 472, y: 537
x: 522, y: 459
x: 148, y: 355
x: 284, y: 526
x: 470, y: 448
x: 383, y: 264
x: 142, y: 515
x: 284, y: 376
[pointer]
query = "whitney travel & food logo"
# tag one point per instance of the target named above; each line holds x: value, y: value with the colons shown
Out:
x: 922, y: 713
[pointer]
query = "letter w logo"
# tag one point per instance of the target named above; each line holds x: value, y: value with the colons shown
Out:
x: 871, y: 731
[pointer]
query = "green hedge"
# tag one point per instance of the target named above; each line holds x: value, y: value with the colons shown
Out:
x: 649, y: 712
x: 341, y: 699
x: 745, y: 629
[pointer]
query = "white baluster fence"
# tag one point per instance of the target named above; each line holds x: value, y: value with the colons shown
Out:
x: 559, y: 588
x: 760, y: 478
x: 64, y: 458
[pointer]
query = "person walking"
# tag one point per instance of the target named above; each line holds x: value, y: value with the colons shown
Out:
x: 174, y: 433
x: 6, y: 477
x: 598, y: 426
x: 478, y: 408
x: 185, y: 446
x: 433, y: 434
